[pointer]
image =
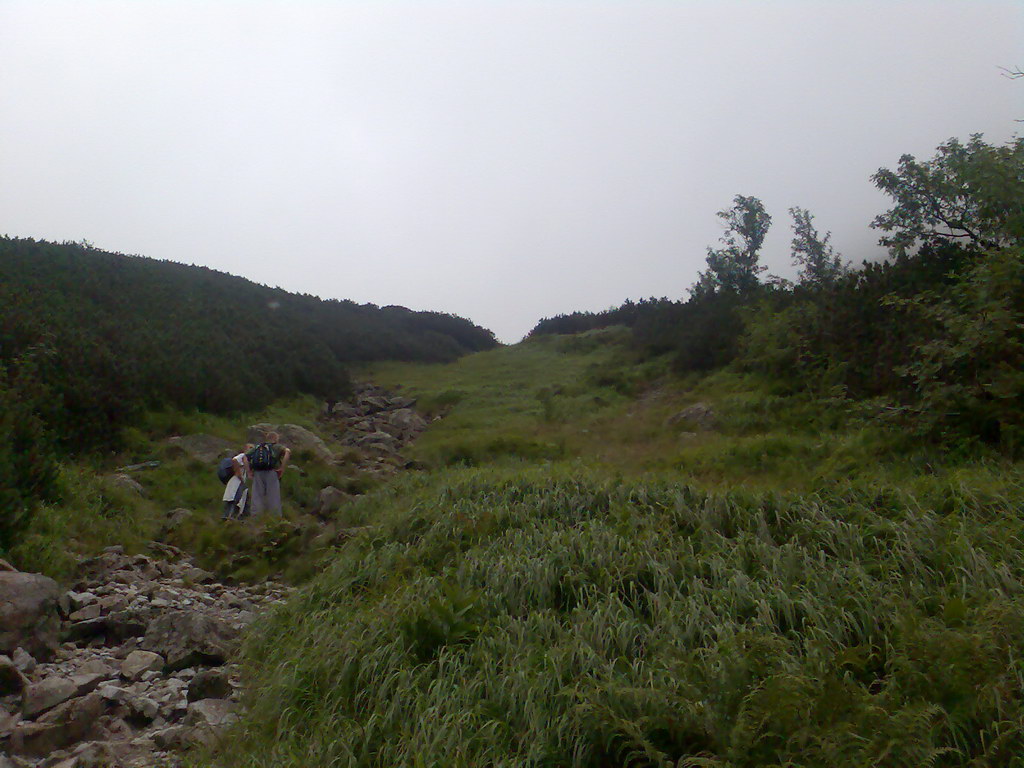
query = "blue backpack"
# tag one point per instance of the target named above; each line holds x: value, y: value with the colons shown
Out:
x: 226, y: 470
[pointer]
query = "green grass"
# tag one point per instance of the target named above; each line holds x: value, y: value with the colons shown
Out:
x: 541, y: 617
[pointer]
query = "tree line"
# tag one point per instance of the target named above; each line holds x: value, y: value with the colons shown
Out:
x: 933, y: 336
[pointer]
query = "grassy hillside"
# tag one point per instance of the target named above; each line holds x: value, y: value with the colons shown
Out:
x: 578, y: 580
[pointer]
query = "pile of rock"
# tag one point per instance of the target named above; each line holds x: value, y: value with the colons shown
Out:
x: 144, y: 670
x: 376, y: 421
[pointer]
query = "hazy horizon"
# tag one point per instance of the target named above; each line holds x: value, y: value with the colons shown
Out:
x: 499, y: 161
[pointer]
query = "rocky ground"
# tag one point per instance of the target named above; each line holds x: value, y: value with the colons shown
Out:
x: 130, y: 667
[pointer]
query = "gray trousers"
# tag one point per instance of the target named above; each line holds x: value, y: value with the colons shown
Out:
x: 266, y: 492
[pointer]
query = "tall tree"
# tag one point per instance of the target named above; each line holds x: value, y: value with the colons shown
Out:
x: 819, y: 264
x: 735, y: 268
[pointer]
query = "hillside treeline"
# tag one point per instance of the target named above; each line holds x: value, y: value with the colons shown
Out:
x: 98, y: 336
x: 932, y: 338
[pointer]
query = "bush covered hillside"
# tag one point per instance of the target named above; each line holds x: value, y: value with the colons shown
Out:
x: 932, y: 337
x: 110, y: 334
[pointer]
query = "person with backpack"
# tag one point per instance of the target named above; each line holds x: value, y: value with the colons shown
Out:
x: 234, y: 473
x: 267, y: 462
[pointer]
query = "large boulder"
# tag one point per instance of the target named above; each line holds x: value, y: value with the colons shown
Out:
x: 29, y: 617
x: 294, y: 437
x: 205, y: 448
x: 189, y: 639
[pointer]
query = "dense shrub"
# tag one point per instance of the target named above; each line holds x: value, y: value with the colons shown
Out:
x: 29, y: 465
x: 137, y: 333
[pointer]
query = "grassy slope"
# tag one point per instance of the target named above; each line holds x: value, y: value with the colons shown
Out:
x: 574, y: 583
x: 94, y: 513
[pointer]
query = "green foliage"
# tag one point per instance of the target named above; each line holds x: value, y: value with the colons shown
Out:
x: 968, y: 193
x: 28, y: 463
x: 819, y: 264
x: 735, y: 268
x: 966, y: 378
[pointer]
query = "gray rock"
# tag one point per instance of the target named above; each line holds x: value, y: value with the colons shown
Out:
x: 139, y: 662
x: 292, y: 435
x: 211, y: 712
x: 29, y: 615
x: 205, y: 448
x: 23, y: 661
x: 88, y: 682
x: 64, y: 725
x: 144, y: 708
x: 113, y: 693
x: 96, y: 667
x: 177, y: 737
x: 91, y: 611
x: 11, y: 678
x: 46, y: 694
x: 209, y: 684
x: 78, y: 600
x: 126, y: 483
x: 176, y: 517
x: 329, y: 501
x: 187, y: 639
x: 700, y: 415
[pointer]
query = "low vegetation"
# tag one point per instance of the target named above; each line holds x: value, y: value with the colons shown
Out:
x: 797, y: 585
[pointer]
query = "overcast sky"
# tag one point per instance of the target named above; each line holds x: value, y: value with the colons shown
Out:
x: 503, y: 161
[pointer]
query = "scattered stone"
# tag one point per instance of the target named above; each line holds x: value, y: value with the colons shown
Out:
x: 209, y: 684
x: 187, y: 639
x: 91, y: 611
x: 64, y: 725
x: 211, y: 712
x: 143, y: 708
x: 139, y: 662
x: 176, y: 737
x: 175, y: 518
x: 137, y: 467
x: 96, y: 666
x: 44, y: 695
x: 11, y: 679
x: 29, y: 615
x: 700, y: 415
x: 329, y: 501
x: 126, y: 482
x: 23, y: 661
x: 87, y: 682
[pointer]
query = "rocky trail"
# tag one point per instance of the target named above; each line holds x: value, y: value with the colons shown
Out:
x: 127, y: 668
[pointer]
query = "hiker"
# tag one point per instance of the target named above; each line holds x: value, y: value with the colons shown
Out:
x: 267, y: 462
x: 236, y: 491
